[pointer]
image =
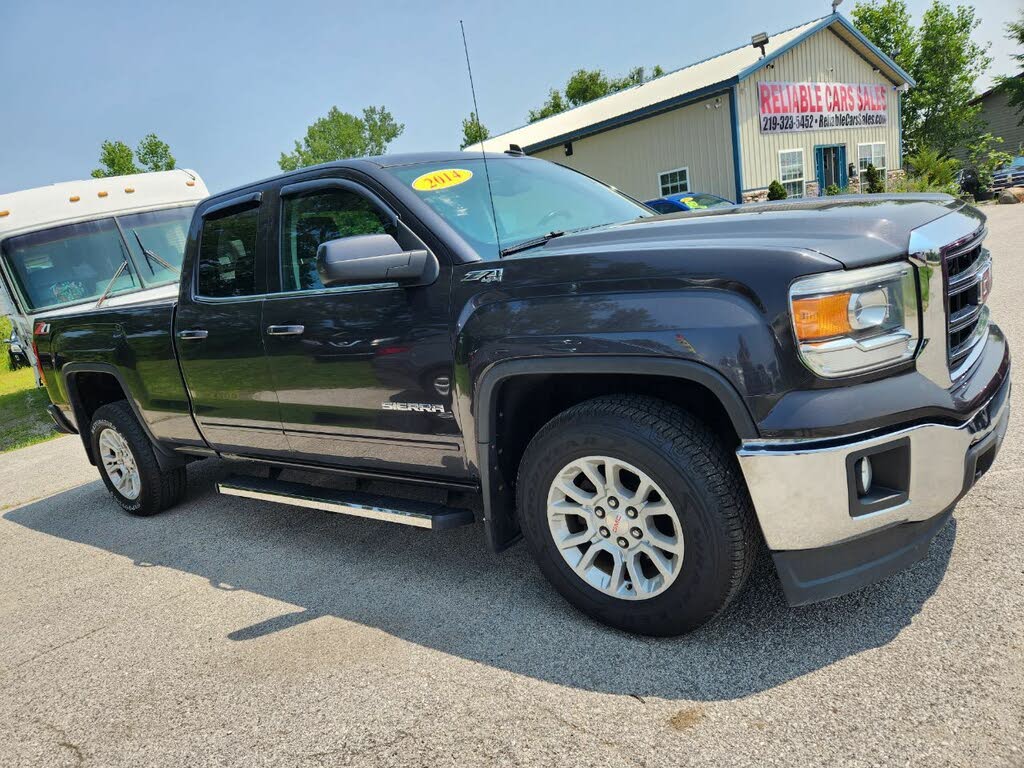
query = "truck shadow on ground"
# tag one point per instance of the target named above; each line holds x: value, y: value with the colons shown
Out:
x: 446, y: 591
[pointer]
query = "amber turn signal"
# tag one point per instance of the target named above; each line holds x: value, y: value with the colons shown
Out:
x: 822, y: 316
x: 74, y: 198
x: 4, y: 213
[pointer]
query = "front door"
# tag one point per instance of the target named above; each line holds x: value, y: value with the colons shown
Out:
x: 362, y: 372
x: 218, y: 334
x: 830, y: 164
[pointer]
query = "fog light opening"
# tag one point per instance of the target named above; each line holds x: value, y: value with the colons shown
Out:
x: 864, y: 475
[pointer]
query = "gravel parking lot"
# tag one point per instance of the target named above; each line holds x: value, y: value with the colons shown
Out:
x: 233, y: 632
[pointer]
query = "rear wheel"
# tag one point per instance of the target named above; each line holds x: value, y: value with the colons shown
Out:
x: 637, y: 514
x: 128, y: 463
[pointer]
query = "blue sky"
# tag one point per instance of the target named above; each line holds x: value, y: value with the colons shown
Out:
x: 230, y: 85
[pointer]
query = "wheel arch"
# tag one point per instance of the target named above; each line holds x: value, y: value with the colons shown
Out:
x: 92, y: 385
x: 496, y: 461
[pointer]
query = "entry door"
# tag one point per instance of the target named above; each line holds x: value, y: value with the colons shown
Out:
x: 362, y: 372
x: 830, y: 163
x: 219, y: 338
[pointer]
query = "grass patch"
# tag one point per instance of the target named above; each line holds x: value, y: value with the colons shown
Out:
x: 23, y: 417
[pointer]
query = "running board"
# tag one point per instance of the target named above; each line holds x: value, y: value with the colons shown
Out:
x: 420, y: 514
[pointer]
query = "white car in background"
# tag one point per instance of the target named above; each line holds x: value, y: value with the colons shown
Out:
x: 116, y: 240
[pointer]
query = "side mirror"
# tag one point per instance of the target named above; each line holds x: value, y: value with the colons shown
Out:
x: 365, y: 259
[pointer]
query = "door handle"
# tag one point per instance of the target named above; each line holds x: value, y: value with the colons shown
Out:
x: 197, y: 333
x: 285, y: 330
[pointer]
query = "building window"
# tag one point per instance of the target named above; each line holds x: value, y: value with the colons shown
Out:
x: 873, y: 154
x: 674, y: 182
x: 791, y: 171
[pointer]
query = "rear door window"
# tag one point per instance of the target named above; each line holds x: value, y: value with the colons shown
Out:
x: 69, y: 265
x: 227, y: 254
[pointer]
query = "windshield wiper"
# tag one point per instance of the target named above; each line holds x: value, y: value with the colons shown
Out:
x: 103, y: 296
x: 532, y: 243
x: 151, y: 256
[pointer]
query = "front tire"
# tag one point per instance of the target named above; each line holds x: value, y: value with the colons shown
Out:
x: 128, y: 464
x: 637, y: 514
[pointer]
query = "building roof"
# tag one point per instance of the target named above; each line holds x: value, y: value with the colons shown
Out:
x: 684, y: 85
x: 68, y: 201
x: 982, y: 96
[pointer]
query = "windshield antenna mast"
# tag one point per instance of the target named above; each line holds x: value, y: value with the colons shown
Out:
x: 483, y: 151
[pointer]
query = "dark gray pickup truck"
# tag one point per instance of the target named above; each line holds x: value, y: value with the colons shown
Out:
x: 649, y: 401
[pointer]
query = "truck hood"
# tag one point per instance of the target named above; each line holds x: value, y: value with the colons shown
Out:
x: 856, y: 230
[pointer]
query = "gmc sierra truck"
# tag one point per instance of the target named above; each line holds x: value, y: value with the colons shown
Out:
x: 649, y: 401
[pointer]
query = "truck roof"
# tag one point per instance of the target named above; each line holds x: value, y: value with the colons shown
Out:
x: 371, y: 162
x: 70, y: 201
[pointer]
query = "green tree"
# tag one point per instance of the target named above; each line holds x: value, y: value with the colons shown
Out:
x: 985, y: 157
x: 1014, y: 86
x: 154, y: 154
x: 116, y: 159
x: 585, y: 85
x: 931, y: 168
x: 941, y: 56
x: 887, y: 24
x: 340, y: 134
x: 473, y: 131
x: 554, y: 104
x: 776, y: 191
x: 874, y: 183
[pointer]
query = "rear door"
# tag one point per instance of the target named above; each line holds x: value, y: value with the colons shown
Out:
x: 362, y: 372
x: 218, y: 331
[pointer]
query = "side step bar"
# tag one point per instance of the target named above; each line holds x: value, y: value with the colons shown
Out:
x: 421, y: 514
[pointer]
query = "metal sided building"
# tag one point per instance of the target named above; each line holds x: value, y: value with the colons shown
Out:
x: 811, y: 107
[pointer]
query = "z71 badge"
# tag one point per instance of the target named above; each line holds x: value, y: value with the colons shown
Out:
x: 417, y: 407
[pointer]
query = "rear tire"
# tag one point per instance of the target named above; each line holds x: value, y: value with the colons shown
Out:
x: 128, y: 465
x: 696, y: 520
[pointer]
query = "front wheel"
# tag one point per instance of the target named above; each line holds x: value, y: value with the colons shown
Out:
x: 128, y: 464
x: 637, y: 514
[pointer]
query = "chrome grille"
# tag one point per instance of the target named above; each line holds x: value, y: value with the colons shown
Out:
x: 967, y: 274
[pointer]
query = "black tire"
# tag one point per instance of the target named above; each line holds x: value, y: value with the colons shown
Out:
x: 699, y: 475
x: 159, y: 489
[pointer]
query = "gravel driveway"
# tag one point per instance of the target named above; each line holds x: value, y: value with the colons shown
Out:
x: 232, y: 632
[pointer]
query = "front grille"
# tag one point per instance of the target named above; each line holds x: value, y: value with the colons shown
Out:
x: 966, y: 266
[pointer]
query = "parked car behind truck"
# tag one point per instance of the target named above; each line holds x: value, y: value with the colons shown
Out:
x: 62, y: 246
x: 648, y: 401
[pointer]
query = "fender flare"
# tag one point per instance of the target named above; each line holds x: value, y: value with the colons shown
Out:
x: 166, y: 459
x: 499, y: 505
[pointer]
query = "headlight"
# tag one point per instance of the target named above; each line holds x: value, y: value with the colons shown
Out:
x: 856, y: 321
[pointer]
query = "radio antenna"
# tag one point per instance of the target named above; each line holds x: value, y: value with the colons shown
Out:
x: 483, y: 152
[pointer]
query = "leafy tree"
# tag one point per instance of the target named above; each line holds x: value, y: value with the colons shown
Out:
x: 1014, y: 86
x: 873, y: 181
x: 776, y: 191
x: 941, y: 56
x: 887, y: 24
x: 154, y: 155
x: 116, y: 159
x: 585, y: 85
x: 473, y: 131
x: 340, y: 134
x: 554, y: 104
x: 985, y: 157
x: 931, y: 168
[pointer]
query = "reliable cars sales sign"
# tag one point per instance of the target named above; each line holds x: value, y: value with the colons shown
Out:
x: 787, y: 107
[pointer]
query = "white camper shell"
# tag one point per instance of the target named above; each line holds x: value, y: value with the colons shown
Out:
x: 68, y: 246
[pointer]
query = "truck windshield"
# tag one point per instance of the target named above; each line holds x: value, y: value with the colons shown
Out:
x: 74, y: 263
x: 532, y: 198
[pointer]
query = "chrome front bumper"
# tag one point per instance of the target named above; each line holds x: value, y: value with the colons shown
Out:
x: 801, y: 488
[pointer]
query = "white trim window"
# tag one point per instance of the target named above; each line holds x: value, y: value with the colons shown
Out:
x: 675, y: 181
x: 874, y: 154
x: 791, y: 172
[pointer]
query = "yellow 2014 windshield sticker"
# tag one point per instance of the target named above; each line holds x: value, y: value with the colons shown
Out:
x: 442, y: 179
